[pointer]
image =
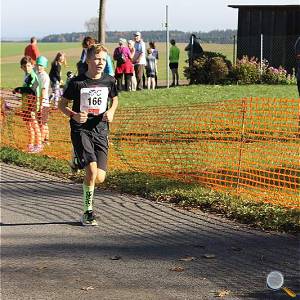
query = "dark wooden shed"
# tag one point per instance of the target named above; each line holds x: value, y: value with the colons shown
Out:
x: 280, y: 26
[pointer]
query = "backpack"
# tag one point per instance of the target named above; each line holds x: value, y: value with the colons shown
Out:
x: 120, y: 58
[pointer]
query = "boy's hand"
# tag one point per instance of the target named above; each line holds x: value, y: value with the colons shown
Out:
x: 108, y: 116
x: 80, y: 117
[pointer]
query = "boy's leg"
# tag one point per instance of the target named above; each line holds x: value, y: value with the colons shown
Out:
x: 153, y: 83
x: 95, y: 150
x: 31, y: 136
x: 148, y: 83
x: 88, y: 217
x: 35, y: 133
x: 74, y: 164
x: 44, y: 124
x: 177, y: 76
x: 173, y: 77
x: 101, y: 174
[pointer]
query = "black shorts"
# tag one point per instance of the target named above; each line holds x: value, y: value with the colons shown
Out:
x: 150, y: 74
x: 173, y: 65
x: 90, y: 147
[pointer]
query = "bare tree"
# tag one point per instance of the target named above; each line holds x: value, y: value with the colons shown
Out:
x: 101, y: 26
x: 92, y: 26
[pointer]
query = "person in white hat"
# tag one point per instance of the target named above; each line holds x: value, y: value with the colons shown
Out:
x: 139, y: 59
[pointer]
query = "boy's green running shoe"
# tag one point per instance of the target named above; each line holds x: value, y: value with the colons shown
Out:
x: 88, y: 219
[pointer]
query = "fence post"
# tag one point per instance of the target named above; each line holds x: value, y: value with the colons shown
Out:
x: 233, y: 54
x: 167, y: 46
x: 261, y: 53
x: 244, y: 107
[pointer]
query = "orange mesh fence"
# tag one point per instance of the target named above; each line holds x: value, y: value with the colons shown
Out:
x: 248, y: 146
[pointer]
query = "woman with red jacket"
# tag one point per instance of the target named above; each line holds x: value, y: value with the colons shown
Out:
x: 124, y: 65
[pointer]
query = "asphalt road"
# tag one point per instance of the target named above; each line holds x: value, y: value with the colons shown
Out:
x: 134, y: 253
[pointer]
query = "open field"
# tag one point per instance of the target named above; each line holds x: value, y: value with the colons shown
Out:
x: 11, y: 53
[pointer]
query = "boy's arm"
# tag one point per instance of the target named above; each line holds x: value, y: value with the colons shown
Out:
x: 63, y: 107
x: 78, y: 117
x: 109, y: 114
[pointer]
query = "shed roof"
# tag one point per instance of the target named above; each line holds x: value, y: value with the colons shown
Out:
x: 264, y: 6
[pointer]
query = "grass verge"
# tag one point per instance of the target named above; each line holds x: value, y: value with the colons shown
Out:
x: 256, y: 214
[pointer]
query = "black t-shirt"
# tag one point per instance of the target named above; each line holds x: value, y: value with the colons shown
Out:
x: 73, y: 92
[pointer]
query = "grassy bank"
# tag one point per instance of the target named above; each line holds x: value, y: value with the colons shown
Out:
x: 264, y: 216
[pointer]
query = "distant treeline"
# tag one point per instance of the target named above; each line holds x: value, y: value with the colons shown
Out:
x: 214, y: 36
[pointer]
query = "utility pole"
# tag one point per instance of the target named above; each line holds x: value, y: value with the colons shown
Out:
x: 101, y: 25
x: 167, y: 46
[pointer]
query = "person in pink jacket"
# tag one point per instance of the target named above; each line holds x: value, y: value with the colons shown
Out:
x: 124, y: 65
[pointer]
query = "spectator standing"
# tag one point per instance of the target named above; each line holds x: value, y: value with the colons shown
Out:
x: 151, y: 67
x: 194, y: 49
x: 173, y: 62
x: 139, y: 59
x: 44, y: 80
x: 297, y: 54
x: 55, y: 76
x: 124, y: 65
x: 155, y: 54
x: 32, y: 50
x: 132, y: 52
x: 30, y: 104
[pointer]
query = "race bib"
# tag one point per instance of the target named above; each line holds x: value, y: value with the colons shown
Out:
x: 94, y: 100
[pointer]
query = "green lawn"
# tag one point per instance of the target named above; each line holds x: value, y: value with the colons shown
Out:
x: 186, y: 95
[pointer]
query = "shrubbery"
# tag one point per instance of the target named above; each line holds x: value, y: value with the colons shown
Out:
x: 246, y: 71
x: 211, y: 68
x: 214, y: 68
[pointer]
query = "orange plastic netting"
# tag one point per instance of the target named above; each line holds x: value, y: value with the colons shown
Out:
x: 247, y: 146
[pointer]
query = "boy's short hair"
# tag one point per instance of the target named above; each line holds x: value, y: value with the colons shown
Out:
x: 95, y: 49
x: 152, y: 44
x: 25, y: 60
x: 173, y: 42
x: 87, y: 40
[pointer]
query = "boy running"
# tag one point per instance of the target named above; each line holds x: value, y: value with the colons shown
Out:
x: 89, y: 118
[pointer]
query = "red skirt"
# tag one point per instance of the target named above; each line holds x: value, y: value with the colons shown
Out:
x: 126, y: 68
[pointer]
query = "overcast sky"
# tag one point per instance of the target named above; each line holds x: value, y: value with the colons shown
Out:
x: 26, y: 18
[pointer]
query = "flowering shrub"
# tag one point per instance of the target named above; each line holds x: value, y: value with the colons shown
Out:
x: 246, y: 71
x: 277, y: 76
x: 214, y: 68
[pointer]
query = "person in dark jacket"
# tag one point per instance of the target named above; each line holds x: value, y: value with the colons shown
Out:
x: 55, y: 76
x: 194, y: 49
